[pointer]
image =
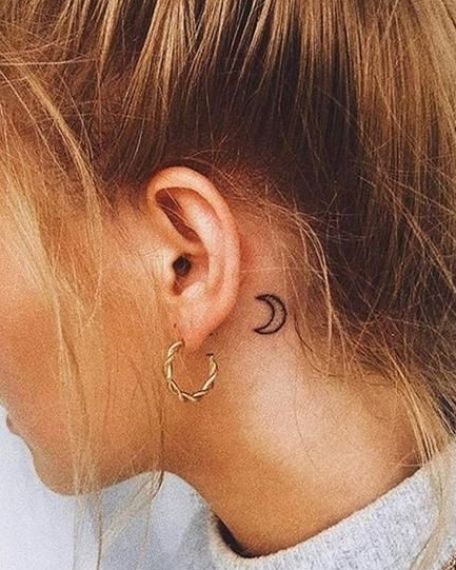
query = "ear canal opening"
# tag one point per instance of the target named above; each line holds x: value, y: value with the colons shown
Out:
x: 182, y: 265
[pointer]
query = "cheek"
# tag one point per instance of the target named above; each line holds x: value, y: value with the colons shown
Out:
x: 28, y: 383
x: 123, y: 426
x: 29, y: 389
x: 26, y: 350
x: 28, y: 386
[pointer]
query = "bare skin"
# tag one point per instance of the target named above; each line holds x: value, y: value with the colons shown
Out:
x: 279, y: 453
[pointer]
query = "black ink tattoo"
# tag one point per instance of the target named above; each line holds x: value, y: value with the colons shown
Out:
x: 278, y: 314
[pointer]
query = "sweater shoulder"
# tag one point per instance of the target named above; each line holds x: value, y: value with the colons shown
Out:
x: 193, y: 551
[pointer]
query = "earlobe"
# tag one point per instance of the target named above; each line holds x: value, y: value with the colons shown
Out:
x: 201, y: 247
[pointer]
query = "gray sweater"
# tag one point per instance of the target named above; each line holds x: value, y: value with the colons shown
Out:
x: 387, y: 534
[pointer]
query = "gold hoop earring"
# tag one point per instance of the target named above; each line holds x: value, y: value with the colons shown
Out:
x: 172, y: 385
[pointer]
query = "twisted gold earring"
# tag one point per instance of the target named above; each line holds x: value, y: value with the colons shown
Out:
x: 172, y: 385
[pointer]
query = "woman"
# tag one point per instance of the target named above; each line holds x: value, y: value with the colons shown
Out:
x: 228, y: 236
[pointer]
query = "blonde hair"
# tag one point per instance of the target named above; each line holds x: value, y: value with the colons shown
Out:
x: 335, y: 121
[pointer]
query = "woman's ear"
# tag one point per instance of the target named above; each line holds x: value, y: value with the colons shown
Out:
x: 199, y: 249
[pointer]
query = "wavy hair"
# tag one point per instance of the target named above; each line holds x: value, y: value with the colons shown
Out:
x: 334, y: 122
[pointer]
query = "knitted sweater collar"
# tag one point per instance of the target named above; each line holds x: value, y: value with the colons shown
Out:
x: 387, y: 534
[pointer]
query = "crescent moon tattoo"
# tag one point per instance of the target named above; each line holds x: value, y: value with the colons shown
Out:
x: 278, y: 314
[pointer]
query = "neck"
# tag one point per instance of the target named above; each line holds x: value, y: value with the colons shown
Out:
x: 282, y: 457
